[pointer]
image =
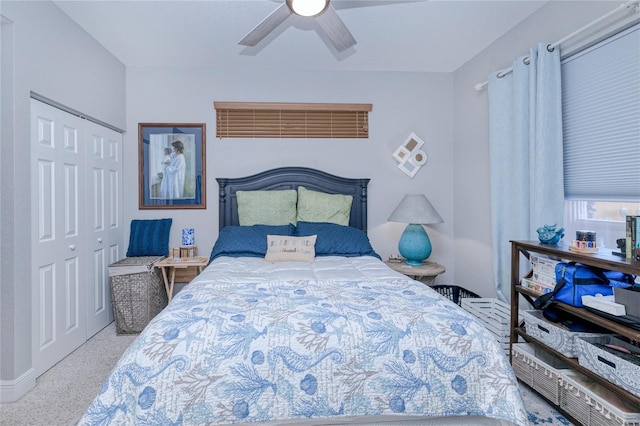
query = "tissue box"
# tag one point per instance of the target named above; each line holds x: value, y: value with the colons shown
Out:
x: 547, y: 280
x: 537, y: 287
x: 543, y: 264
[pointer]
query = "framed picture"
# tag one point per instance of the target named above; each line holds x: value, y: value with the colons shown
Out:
x: 409, y: 155
x: 171, y: 163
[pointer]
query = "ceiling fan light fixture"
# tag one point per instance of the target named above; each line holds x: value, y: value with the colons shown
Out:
x: 307, y: 7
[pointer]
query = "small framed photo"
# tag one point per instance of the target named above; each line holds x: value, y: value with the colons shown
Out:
x: 408, y: 168
x: 413, y: 142
x: 401, y: 154
x: 409, y: 155
x: 171, y: 166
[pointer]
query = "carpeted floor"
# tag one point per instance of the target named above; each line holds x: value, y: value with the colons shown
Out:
x: 540, y: 413
x: 64, y: 392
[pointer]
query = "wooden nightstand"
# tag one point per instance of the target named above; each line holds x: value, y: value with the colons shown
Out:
x: 198, y: 262
x: 426, y: 273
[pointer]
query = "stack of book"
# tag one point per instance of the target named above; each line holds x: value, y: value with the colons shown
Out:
x: 633, y: 237
x: 542, y: 278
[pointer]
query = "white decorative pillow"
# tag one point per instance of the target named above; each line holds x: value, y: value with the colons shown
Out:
x: 290, y: 249
x: 315, y: 206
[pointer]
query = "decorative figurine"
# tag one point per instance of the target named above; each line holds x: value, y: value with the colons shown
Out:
x: 549, y: 235
x: 621, y: 243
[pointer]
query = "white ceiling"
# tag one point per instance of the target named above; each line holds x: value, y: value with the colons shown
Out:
x: 392, y: 35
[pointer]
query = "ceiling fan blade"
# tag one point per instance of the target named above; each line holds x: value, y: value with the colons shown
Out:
x: 267, y: 25
x: 351, y: 4
x: 336, y: 30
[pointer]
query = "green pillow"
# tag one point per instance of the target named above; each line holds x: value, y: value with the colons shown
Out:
x: 267, y: 207
x: 314, y: 206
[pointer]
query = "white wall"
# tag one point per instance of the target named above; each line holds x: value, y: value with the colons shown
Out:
x: 472, y: 231
x: 402, y: 103
x: 50, y: 55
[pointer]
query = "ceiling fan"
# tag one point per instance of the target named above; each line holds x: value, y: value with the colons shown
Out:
x: 321, y: 10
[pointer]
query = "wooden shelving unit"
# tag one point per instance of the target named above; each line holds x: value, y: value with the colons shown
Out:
x: 599, y: 260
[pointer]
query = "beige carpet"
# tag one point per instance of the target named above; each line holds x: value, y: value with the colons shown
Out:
x: 64, y: 392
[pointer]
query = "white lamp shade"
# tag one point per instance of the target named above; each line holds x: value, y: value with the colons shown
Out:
x: 415, y: 208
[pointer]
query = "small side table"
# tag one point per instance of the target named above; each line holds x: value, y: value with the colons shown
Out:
x: 172, y: 264
x: 426, y: 273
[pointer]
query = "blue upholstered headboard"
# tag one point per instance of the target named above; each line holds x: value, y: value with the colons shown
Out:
x: 291, y: 178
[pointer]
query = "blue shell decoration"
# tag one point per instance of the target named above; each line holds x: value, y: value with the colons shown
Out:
x: 240, y: 409
x: 147, y: 397
x: 408, y: 356
x: 549, y: 235
x: 309, y: 384
x: 397, y: 404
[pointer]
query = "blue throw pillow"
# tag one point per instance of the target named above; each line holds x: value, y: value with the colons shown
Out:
x: 337, y: 240
x: 247, y: 241
x: 149, y: 237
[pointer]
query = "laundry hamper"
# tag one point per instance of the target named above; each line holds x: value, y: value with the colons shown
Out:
x: 137, y: 292
x: 454, y: 293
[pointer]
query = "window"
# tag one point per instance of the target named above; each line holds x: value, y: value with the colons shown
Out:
x: 606, y: 218
x: 601, y: 126
x: 291, y: 120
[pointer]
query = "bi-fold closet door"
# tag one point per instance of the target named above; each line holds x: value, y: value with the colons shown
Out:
x: 76, y: 182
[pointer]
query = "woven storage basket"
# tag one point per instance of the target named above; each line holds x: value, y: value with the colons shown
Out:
x: 553, y: 335
x: 593, y: 405
x: 617, y: 367
x: 536, y: 373
x: 137, y: 292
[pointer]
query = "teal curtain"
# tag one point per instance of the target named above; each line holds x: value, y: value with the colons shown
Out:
x: 525, y: 143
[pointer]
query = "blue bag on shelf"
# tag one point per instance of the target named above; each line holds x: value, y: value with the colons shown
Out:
x: 574, y: 280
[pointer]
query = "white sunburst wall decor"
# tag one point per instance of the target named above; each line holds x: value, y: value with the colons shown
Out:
x: 409, y: 155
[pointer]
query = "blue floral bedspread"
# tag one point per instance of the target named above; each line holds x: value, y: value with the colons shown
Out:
x: 224, y: 353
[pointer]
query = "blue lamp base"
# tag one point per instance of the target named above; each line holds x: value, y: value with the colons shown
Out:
x: 414, y: 244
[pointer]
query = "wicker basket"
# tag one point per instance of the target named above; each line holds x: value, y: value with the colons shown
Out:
x: 454, y: 293
x: 592, y: 404
x: 539, y: 375
x: 137, y: 292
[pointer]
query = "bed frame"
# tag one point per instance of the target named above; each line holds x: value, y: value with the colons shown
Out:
x: 290, y: 178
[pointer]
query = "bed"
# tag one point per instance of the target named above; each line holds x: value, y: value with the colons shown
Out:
x: 335, y: 338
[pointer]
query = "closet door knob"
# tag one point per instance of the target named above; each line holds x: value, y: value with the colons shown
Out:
x: 100, y: 240
x: 72, y: 247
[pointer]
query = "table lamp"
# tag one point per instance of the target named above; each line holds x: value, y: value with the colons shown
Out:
x: 416, y: 210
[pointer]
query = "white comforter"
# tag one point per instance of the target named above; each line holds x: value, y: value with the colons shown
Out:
x: 334, y: 341
x: 243, y: 269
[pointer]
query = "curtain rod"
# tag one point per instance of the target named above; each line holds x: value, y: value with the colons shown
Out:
x: 552, y: 46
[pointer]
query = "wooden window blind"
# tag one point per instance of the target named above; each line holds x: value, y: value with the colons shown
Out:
x: 291, y: 120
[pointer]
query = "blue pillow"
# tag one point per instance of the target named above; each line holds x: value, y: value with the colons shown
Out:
x: 149, y: 237
x: 337, y: 240
x: 247, y: 241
